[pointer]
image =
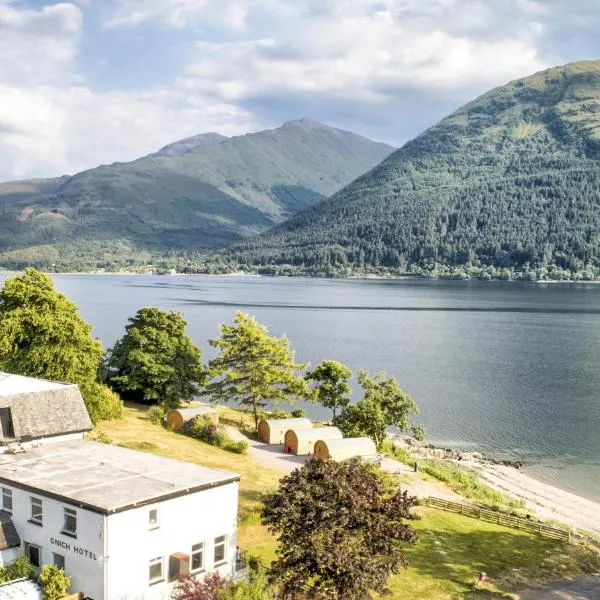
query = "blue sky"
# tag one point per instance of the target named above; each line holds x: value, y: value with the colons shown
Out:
x: 85, y: 82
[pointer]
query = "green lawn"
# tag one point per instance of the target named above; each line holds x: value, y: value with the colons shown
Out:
x: 444, y: 564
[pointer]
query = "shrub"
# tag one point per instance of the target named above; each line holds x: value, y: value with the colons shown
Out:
x: 239, y: 447
x: 156, y: 414
x: 298, y: 413
x: 191, y: 588
x: 20, y: 569
x: 102, y: 403
x: 203, y: 429
x: 54, y: 582
x: 255, y: 589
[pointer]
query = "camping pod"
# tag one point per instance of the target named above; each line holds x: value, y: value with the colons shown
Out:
x: 178, y: 416
x: 302, y: 441
x: 272, y: 431
x: 346, y: 448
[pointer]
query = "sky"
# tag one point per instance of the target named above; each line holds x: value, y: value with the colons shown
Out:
x: 88, y: 82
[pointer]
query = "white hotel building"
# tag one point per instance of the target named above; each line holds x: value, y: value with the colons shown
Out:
x: 123, y: 524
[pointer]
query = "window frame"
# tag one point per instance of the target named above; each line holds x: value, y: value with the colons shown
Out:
x: 62, y: 559
x: 33, y: 519
x: 193, y: 553
x: 156, y: 524
x: 28, y: 547
x: 218, y: 563
x: 73, y: 515
x: 7, y: 493
x: 158, y: 560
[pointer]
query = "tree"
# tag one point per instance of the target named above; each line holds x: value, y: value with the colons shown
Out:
x: 42, y: 335
x: 189, y: 587
x: 384, y: 404
x: 253, y: 368
x: 54, y: 582
x: 341, y: 529
x: 331, y: 384
x: 155, y: 361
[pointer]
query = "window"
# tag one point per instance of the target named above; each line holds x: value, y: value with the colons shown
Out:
x: 34, y: 554
x: 59, y: 561
x: 153, y: 522
x: 37, y: 514
x: 220, y: 543
x: 70, y: 522
x: 197, y: 557
x: 155, y: 571
x: 6, y: 499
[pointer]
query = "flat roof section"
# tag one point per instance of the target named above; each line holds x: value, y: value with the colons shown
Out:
x: 11, y: 385
x: 105, y: 478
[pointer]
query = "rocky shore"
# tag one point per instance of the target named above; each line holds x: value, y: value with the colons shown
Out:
x: 424, y: 450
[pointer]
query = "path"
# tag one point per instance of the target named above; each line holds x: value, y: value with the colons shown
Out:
x: 272, y: 456
x: 586, y: 588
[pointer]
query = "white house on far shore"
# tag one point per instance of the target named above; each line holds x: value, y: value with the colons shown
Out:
x: 123, y: 524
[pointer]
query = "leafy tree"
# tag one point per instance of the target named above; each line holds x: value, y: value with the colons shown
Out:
x: 54, y: 582
x: 253, y: 368
x: 189, y: 587
x: 155, y: 361
x: 341, y: 528
x: 42, y: 335
x: 331, y: 388
x: 384, y: 404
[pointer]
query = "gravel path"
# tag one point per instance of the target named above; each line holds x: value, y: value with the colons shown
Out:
x: 586, y: 588
x: 272, y: 456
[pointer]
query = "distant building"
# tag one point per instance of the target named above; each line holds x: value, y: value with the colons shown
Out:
x: 123, y: 524
x: 272, y: 431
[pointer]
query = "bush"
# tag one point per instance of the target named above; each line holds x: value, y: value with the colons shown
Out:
x: 20, y: 569
x: 156, y: 414
x: 191, y: 588
x: 102, y: 403
x: 54, y: 582
x: 203, y: 429
x: 298, y: 413
x: 255, y: 589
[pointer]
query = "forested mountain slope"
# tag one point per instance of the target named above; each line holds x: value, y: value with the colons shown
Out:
x: 198, y: 194
x: 508, y: 183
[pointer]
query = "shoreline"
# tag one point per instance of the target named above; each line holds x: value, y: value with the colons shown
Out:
x: 546, y: 501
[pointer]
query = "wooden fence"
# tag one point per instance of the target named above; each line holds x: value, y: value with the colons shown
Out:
x: 493, y: 516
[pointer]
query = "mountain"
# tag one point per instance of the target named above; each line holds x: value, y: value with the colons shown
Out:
x: 191, y: 144
x: 195, y: 195
x: 509, y: 183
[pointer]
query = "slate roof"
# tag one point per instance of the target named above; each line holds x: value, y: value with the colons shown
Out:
x: 104, y: 478
x: 9, y: 538
x: 40, y: 408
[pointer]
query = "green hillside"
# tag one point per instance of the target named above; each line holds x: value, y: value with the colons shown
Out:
x: 509, y: 184
x: 199, y: 194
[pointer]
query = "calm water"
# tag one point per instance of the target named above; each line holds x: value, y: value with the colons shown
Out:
x: 506, y: 368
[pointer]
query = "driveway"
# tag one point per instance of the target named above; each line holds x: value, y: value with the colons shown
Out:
x: 586, y: 588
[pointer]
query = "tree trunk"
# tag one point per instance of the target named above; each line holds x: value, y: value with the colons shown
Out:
x: 255, y: 408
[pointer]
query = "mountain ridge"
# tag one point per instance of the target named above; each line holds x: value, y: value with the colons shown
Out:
x: 196, y: 200
x: 508, y: 183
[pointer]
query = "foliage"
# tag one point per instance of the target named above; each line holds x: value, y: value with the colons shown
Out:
x: 331, y: 387
x: 54, y: 582
x: 21, y: 568
x: 384, y: 404
x: 203, y: 428
x: 505, y: 187
x: 298, y: 413
x: 467, y: 482
x: 189, y: 587
x: 156, y: 414
x: 42, y: 335
x: 155, y: 362
x: 255, y: 589
x: 253, y: 368
x: 341, y: 529
x: 165, y: 209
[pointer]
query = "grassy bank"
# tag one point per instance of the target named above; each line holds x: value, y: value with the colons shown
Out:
x: 451, y: 551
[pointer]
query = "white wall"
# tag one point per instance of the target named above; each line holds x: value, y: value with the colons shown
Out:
x: 8, y: 556
x: 86, y: 570
x: 184, y: 521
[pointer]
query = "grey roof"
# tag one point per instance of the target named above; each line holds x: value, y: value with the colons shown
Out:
x: 9, y: 538
x: 105, y: 478
x: 41, y: 408
x: 21, y: 589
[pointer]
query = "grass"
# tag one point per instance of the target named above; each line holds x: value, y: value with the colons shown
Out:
x: 444, y: 564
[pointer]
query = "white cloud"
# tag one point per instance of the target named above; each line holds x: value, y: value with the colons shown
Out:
x: 385, y: 68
